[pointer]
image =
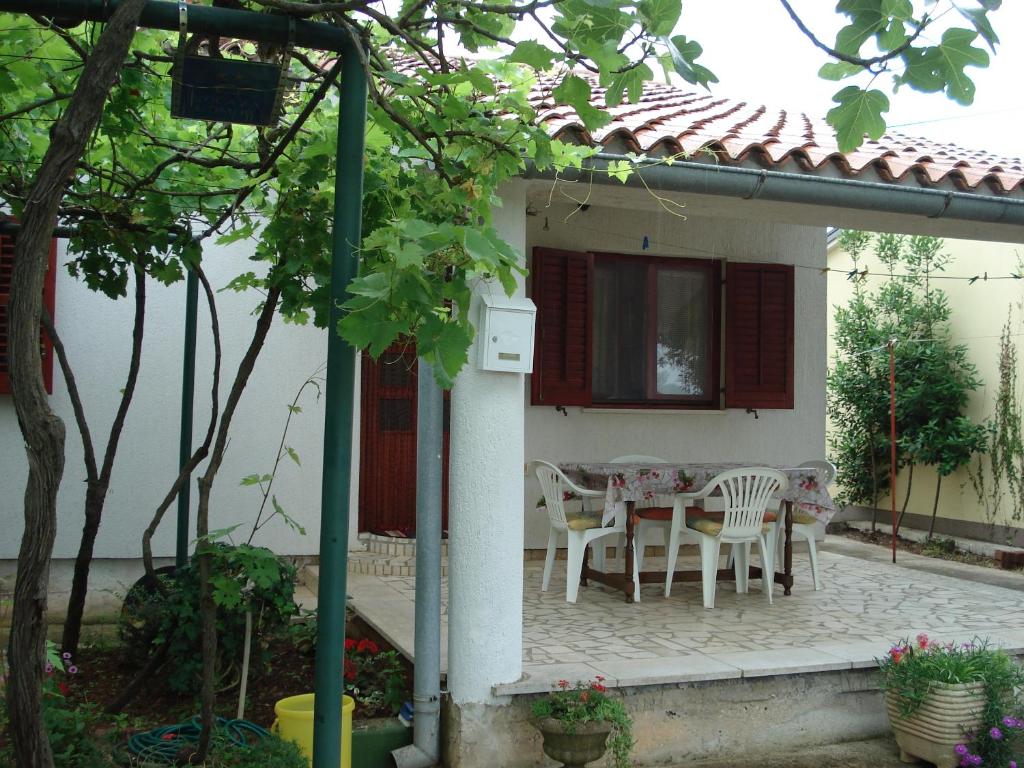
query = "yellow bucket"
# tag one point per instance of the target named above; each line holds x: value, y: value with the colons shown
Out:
x: 295, y: 723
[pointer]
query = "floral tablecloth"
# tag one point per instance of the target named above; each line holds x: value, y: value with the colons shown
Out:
x: 643, y: 482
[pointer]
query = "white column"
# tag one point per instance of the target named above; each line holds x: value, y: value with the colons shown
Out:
x: 485, y: 510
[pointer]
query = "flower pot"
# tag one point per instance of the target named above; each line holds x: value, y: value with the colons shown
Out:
x: 374, y: 739
x: 585, y: 744
x: 933, y: 730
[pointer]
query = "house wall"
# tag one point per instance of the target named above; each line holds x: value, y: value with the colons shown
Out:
x: 97, y: 334
x: 979, y: 312
x: 774, y: 436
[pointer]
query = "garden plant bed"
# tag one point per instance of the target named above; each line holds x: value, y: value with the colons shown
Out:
x: 938, y: 547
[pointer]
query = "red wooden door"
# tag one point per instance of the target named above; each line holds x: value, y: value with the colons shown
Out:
x: 387, y: 459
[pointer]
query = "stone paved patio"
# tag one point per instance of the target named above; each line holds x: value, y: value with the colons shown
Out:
x: 866, y: 604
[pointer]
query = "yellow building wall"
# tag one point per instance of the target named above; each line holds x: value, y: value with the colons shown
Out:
x: 979, y: 312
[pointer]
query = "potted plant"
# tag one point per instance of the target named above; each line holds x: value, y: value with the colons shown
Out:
x: 580, y: 722
x: 954, y: 705
x: 376, y: 680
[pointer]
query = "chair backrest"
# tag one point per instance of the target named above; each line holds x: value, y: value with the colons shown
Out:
x: 746, y: 494
x: 826, y: 469
x: 559, y: 489
x: 657, y: 501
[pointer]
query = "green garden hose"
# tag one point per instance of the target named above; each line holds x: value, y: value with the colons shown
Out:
x: 163, y: 745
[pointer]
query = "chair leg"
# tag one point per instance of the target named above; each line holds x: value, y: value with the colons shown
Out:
x: 741, y: 566
x: 638, y: 553
x: 767, y: 567
x: 549, y: 560
x: 710, y: 546
x: 574, y: 566
x: 671, y: 553
x: 812, y: 550
x: 600, y: 552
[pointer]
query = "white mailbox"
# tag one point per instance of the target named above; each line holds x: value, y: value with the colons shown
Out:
x: 505, y: 340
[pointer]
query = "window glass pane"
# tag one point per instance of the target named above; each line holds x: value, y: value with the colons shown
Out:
x: 684, y: 316
x: 620, y: 298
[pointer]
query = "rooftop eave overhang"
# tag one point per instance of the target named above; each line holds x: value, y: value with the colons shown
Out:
x: 804, y: 189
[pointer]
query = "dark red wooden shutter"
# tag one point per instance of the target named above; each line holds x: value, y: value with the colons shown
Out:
x: 49, y: 290
x: 759, y: 336
x: 561, y: 291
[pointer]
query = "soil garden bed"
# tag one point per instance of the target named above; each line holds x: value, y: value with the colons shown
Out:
x: 939, y: 547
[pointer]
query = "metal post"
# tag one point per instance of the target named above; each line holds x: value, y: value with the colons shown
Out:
x: 188, y: 381
x: 426, y: 747
x: 339, y: 389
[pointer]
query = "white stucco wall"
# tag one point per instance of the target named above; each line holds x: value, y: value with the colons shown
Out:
x: 97, y: 334
x: 776, y: 436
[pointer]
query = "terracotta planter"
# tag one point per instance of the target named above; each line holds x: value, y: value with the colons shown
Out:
x: 934, y: 729
x: 584, y: 745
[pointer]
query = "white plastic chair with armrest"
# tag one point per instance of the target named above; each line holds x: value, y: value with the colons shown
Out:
x: 804, y: 521
x: 746, y: 493
x: 580, y: 529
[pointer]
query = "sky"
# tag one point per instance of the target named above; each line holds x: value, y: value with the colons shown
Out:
x: 760, y: 56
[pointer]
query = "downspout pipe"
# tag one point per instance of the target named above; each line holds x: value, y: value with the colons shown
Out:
x: 780, y: 186
x: 425, y: 750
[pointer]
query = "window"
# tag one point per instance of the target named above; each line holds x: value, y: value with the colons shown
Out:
x: 6, y: 268
x: 655, y: 330
x: 639, y: 331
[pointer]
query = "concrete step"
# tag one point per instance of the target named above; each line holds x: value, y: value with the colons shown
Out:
x: 368, y: 564
x: 394, y: 546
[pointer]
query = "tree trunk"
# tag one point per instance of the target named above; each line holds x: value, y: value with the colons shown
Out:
x: 96, y: 494
x: 935, y: 507
x: 207, y: 608
x: 42, y: 430
x: 906, y: 500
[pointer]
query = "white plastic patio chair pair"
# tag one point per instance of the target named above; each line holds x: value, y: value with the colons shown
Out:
x: 745, y: 495
x: 580, y: 528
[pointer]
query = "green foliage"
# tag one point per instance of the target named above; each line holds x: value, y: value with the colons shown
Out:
x: 442, y: 135
x: 374, y: 678
x: 244, y: 578
x: 934, y: 377
x: 269, y: 751
x: 1005, y: 432
x: 939, y: 547
x: 912, y: 669
x: 588, y: 702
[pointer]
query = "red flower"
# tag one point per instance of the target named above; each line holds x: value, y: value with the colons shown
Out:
x: 922, y: 640
x: 598, y: 687
x: 563, y: 684
x: 350, y: 669
x: 64, y: 688
x: 367, y: 646
x: 350, y: 644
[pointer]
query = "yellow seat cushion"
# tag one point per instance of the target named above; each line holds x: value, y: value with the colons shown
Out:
x: 711, y: 527
x: 803, y: 517
x: 583, y: 521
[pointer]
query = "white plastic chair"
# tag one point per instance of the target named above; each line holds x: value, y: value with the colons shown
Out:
x: 579, y: 529
x: 746, y: 493
x: 804, y: 521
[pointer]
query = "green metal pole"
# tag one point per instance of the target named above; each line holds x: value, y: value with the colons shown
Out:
x: 163, y: 14
x: 188, y: 382
x: 339, y: 389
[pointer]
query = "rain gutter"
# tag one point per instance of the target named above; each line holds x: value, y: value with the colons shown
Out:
x: 780, y: 186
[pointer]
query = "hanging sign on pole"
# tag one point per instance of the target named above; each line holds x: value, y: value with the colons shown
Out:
x: 217, y: 89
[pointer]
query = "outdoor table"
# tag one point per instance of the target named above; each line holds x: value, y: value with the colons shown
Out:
x: 630, y: 483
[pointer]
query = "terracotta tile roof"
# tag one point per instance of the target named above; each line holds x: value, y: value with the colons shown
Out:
x: 669, y: 120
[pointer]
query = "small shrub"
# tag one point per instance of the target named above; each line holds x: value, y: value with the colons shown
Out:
x: 939, y: 547
x: 244, y: 578
x: 375, y: 679
x: 270, y: 752
x: 589, y: 702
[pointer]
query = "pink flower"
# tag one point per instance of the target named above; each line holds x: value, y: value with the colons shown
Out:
x: 72, y: 670
x: 960, y: 749
x: 563, y: 684
x: 922, y: 640
x: 995, y: 733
